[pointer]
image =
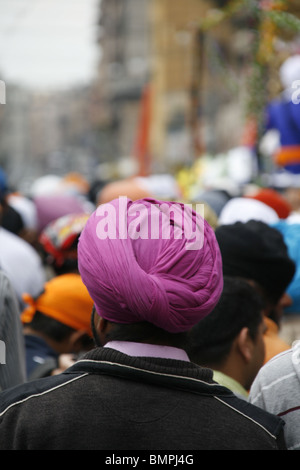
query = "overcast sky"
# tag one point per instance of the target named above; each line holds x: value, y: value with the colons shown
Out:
x: 48, y: 43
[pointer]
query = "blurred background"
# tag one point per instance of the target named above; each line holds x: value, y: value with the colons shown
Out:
x: 115, y: 88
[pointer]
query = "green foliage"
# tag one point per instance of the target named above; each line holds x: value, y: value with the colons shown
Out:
x: 284, y: 21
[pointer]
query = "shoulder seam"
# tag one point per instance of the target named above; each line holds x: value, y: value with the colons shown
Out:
x: 247, y: 417
x: 126, y: 366
x: 34, y: 395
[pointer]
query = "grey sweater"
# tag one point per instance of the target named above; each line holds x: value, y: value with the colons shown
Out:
x: 112, y: 401
x: 277, y: 390
x: 12, y: 345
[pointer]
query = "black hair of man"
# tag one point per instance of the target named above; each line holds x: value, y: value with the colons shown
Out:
x: 254, y: 250
x: 141, y: 332
x: 240, y: 306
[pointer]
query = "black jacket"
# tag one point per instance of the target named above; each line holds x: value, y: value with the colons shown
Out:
x: 112, y: 401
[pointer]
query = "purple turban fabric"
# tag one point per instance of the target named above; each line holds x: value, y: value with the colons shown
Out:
x: 50, y: 208
x: 150, y: 260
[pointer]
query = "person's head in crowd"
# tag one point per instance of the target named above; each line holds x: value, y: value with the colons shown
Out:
x: 146, y: 287
x: 75, y: 183
x: 52, y: 207
x: 257, y: 252
x: 215, y: 198
x: 18, y: 257
x: 10, y: 219
x: 206, y: 211
x: 26, y: 209
x: 95, y: 189
x: 61, y: 315
x: 291, y: 235
x: 131, y: 188
x: 292, y: 195
x: 58, y: 242
x: 230, y: 339
x: 289, y: 72
x: 275, y: 200
x: 243, y: 209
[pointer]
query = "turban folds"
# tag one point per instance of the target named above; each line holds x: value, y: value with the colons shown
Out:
x: 135, y: 273
x: 59, y: 238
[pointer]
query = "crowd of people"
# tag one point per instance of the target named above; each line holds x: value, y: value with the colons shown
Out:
x: 134, y: 319
x: 192, y: 340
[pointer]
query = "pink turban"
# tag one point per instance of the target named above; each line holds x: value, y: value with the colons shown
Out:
x: 151, y: 261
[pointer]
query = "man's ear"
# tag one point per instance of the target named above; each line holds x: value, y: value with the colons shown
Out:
x: 75, y: 340
x: 244, y: 344
x: 100, y: 328
x: 101, y: 324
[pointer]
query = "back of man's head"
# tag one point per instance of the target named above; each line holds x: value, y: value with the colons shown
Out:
x: 141, y: 262
x: 240, y: 306
x: 256, y: 251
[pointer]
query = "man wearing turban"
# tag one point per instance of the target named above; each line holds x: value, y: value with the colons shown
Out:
x: 283, y: 115
x: 153, y: 270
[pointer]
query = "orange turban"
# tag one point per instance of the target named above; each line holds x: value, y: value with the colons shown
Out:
x: 130, y: 188
x: 273, y: 199
x: 77, y: 181
x: 65, y: 299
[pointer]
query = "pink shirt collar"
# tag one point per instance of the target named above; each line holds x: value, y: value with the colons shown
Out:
x: 144, y: 349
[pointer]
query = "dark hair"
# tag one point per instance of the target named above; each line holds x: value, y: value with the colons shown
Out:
x: 54, y: 329
x: 254, y: 250
x: 142, y: 332
x: 239, y: 306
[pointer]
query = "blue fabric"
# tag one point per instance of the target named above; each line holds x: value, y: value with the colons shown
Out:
x: 291, y: 235
x: 3, y: 183
x: 37, y: 352
x: 285, y: 117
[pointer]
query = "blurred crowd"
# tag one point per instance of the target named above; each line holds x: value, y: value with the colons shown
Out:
x: 45, y: 224
x: 249, y: 340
